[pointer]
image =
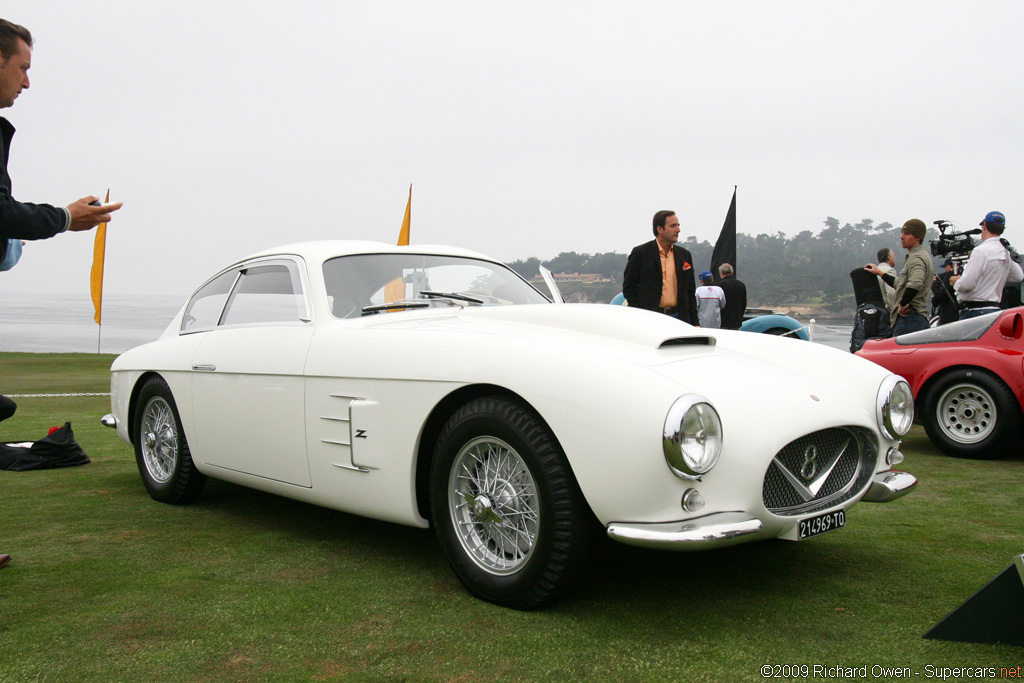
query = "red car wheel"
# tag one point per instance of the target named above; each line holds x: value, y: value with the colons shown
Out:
x: 970, y: 413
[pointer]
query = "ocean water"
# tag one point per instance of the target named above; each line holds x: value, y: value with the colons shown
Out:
x: 54, y: 323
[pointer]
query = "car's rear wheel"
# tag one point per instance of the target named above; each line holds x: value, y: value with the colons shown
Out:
x: 970, y: 413
x: 506, y: 507
x: 161, y: 451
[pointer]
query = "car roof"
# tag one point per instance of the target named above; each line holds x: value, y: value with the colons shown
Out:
x: 324, y: 249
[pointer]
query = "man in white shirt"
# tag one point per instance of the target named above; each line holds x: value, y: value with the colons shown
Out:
x: 887, y: 264
x: 710, y: 301
x: 988, y: 270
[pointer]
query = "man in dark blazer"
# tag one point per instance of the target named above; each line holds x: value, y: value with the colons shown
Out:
x: 20, y: 220
x: 659, y: 274
x: 735, y: 297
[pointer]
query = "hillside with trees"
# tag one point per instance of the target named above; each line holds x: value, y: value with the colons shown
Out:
x: 780, y: 271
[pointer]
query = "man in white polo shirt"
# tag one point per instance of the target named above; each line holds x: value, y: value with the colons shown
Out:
x: 988, y: 270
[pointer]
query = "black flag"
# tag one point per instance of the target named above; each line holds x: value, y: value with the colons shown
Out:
x: 725, y: 247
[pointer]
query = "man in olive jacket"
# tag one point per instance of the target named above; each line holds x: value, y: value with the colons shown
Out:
x: 659, y: 274
x: 909, y: 311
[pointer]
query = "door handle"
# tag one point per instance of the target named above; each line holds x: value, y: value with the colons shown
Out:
x: 204, y: 367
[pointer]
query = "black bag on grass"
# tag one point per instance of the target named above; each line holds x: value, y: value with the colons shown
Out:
x: 57, y: 449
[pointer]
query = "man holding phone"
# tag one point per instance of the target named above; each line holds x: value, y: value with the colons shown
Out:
x: 21, y: 220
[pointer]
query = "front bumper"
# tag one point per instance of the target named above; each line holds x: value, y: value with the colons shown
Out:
x: 719, y: 529
x: 729, y: 528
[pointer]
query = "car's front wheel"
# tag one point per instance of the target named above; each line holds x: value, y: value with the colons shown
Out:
x: 970, y: 413
x: 161, y: 451
x: 506, y: 507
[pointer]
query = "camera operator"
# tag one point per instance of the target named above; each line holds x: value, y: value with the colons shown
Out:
x: 943, y: 297
x: 909, y: 310
x: 980, y: 287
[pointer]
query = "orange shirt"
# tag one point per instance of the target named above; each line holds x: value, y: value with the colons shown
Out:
x: 669, y: 287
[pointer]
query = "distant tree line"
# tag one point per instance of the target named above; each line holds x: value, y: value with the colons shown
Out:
x: 805, y: 269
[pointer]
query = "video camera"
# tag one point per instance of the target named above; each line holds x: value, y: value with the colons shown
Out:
x: 956, y: 245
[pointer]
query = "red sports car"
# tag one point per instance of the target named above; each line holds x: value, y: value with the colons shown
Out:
x: 968, y: 381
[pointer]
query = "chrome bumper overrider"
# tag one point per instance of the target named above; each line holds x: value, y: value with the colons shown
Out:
x: 108, y: 420
x: 719, y: 529
x: 888, y: 486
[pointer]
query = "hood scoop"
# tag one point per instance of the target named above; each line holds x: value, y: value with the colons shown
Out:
x: 688, y: 341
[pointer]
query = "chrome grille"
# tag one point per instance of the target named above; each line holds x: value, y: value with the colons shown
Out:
x: 819, y: 470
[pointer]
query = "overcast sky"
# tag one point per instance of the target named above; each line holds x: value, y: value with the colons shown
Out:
x: 526, y: 128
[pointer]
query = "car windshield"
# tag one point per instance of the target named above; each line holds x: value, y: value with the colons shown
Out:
x: 368, y: 283
x: 962, y: 330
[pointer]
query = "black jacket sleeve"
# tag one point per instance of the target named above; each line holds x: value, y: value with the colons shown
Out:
x: 687, y: 284
x: 21, y: 220
x: 24, y: 221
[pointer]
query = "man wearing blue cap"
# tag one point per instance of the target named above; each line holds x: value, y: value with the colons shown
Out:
x: 710, y: 301
x: 988, y: 270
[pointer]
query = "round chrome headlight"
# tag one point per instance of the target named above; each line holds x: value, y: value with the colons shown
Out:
x: 894, y: 407
x: 693, y: 436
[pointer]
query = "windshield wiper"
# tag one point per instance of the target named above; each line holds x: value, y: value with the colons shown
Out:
x: 394, y: 306
x: 452, y: 295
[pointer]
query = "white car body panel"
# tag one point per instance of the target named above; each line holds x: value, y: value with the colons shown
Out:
x: 258, y: 376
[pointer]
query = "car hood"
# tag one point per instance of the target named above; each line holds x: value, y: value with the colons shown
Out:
x: 573, y: 358
x: 640, y: 338
x: 591, y: 325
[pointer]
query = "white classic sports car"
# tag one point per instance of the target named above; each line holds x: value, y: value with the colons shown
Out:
x: 430, y: 385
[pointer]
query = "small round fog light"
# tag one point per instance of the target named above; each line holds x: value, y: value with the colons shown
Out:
x: 692, y: 500
x: 893, y: 457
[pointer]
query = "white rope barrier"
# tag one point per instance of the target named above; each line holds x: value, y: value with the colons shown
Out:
x: 838, y: 330
x: 813, y: 326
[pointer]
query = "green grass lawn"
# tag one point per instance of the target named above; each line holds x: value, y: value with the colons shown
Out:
x: 108, y: 585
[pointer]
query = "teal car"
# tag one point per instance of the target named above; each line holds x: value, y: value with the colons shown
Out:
x: 758, y: 320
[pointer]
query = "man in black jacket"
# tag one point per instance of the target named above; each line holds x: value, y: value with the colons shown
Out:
x: 735, y: 297
x: 659, y: 274
x: 20, y: 220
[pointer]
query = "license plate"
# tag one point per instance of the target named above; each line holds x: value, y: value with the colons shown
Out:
x: 814, y: 526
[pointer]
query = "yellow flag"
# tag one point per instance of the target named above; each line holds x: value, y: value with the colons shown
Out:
x: 96, y: 279
x: 403, y: 235
x: 395, y: 290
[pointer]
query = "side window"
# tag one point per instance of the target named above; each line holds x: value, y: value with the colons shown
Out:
x: 270, y: 293
x: 206, y: 306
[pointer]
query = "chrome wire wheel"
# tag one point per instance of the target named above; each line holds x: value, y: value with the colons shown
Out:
x: 159, y: 440
x: 967, y: 413
x: 493, y: 502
